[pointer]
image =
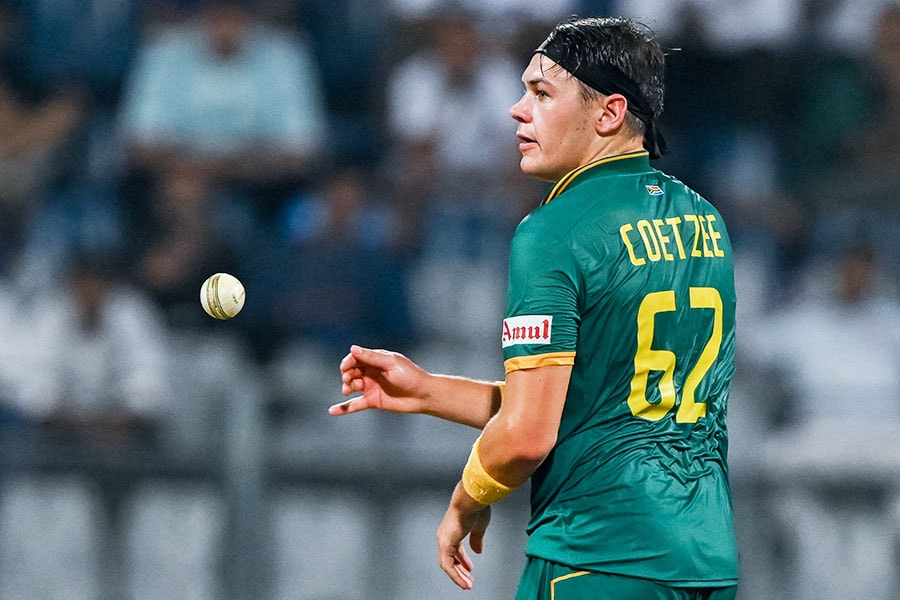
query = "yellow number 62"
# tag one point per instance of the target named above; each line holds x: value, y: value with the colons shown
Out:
x: 648, y: 359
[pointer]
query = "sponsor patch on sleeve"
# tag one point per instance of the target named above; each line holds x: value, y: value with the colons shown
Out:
x: 527, y: 329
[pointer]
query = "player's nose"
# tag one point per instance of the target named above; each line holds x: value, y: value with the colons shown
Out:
x: 518, y: 111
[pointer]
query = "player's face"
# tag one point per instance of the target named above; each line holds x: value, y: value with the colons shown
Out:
x: 555, y: 125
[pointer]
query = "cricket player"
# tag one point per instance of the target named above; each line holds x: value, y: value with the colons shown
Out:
x: 618, y: 345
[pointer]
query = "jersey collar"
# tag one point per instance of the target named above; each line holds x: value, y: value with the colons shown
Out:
x: 635, y: 161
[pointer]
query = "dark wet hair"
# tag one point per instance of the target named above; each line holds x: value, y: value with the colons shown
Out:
x: 614, y: 55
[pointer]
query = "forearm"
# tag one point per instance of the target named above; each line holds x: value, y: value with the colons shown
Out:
x: 461, y: 400
x: 392, y: 382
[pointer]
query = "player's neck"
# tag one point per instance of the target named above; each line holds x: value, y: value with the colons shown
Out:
x: 613, y: 145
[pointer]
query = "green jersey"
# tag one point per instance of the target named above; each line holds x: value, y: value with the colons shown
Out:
x: 627, y: 275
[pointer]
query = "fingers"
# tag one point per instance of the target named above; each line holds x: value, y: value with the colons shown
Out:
x: 458, y: 566
x: 341, y: 408
x: 354, y: 364
x: 380, y: 359
x: 348, y: 406
x: 363, y: 368
x: 463, y: 578
x: 348, y: 362
x: 351, y: 382
x: 351, y: 374
x: 452, y: 555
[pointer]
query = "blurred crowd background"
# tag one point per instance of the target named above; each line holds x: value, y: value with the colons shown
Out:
x: 353, y: 162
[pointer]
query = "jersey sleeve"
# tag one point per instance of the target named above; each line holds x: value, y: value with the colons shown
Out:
x: 541, y: 323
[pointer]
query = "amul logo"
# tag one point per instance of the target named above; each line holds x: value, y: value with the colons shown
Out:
x: 527, y: 329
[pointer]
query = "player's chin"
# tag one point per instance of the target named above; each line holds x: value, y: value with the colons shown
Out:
x: 533, y: 167
x: 528, y: 165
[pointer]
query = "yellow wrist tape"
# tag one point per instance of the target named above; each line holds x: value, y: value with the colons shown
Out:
x: 478, y: 483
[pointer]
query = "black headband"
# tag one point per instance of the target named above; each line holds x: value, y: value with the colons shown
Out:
x: 608, y: 79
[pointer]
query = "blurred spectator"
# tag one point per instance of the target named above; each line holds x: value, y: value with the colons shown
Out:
x: 349, y: 38
x: 38, y: 130
x: 32, y: 136
x: 103, y: 343
x: 336, y: 276
x: 65, y: 64
x: 189, y: 229
x: 73, y: 48
x: 828, y: 97
x: 862, y: 115
x: 227, y: 92
x: 844, y: 322
x: 66, y: 43
x: 448, y: 104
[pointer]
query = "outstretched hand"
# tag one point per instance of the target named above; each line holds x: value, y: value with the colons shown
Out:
x: 387, y: 381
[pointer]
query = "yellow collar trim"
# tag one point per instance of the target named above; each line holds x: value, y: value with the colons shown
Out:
x: 563, y: 183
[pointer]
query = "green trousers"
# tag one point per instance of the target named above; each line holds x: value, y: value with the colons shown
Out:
x: 543, y: 580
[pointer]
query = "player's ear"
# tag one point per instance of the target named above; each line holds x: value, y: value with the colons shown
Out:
x: 610, y: 113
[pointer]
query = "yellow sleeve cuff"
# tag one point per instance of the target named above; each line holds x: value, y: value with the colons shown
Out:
x: 550, y: 359
x: 478, y: 483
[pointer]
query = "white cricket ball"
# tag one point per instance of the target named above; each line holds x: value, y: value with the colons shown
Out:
x: 222, y: 296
